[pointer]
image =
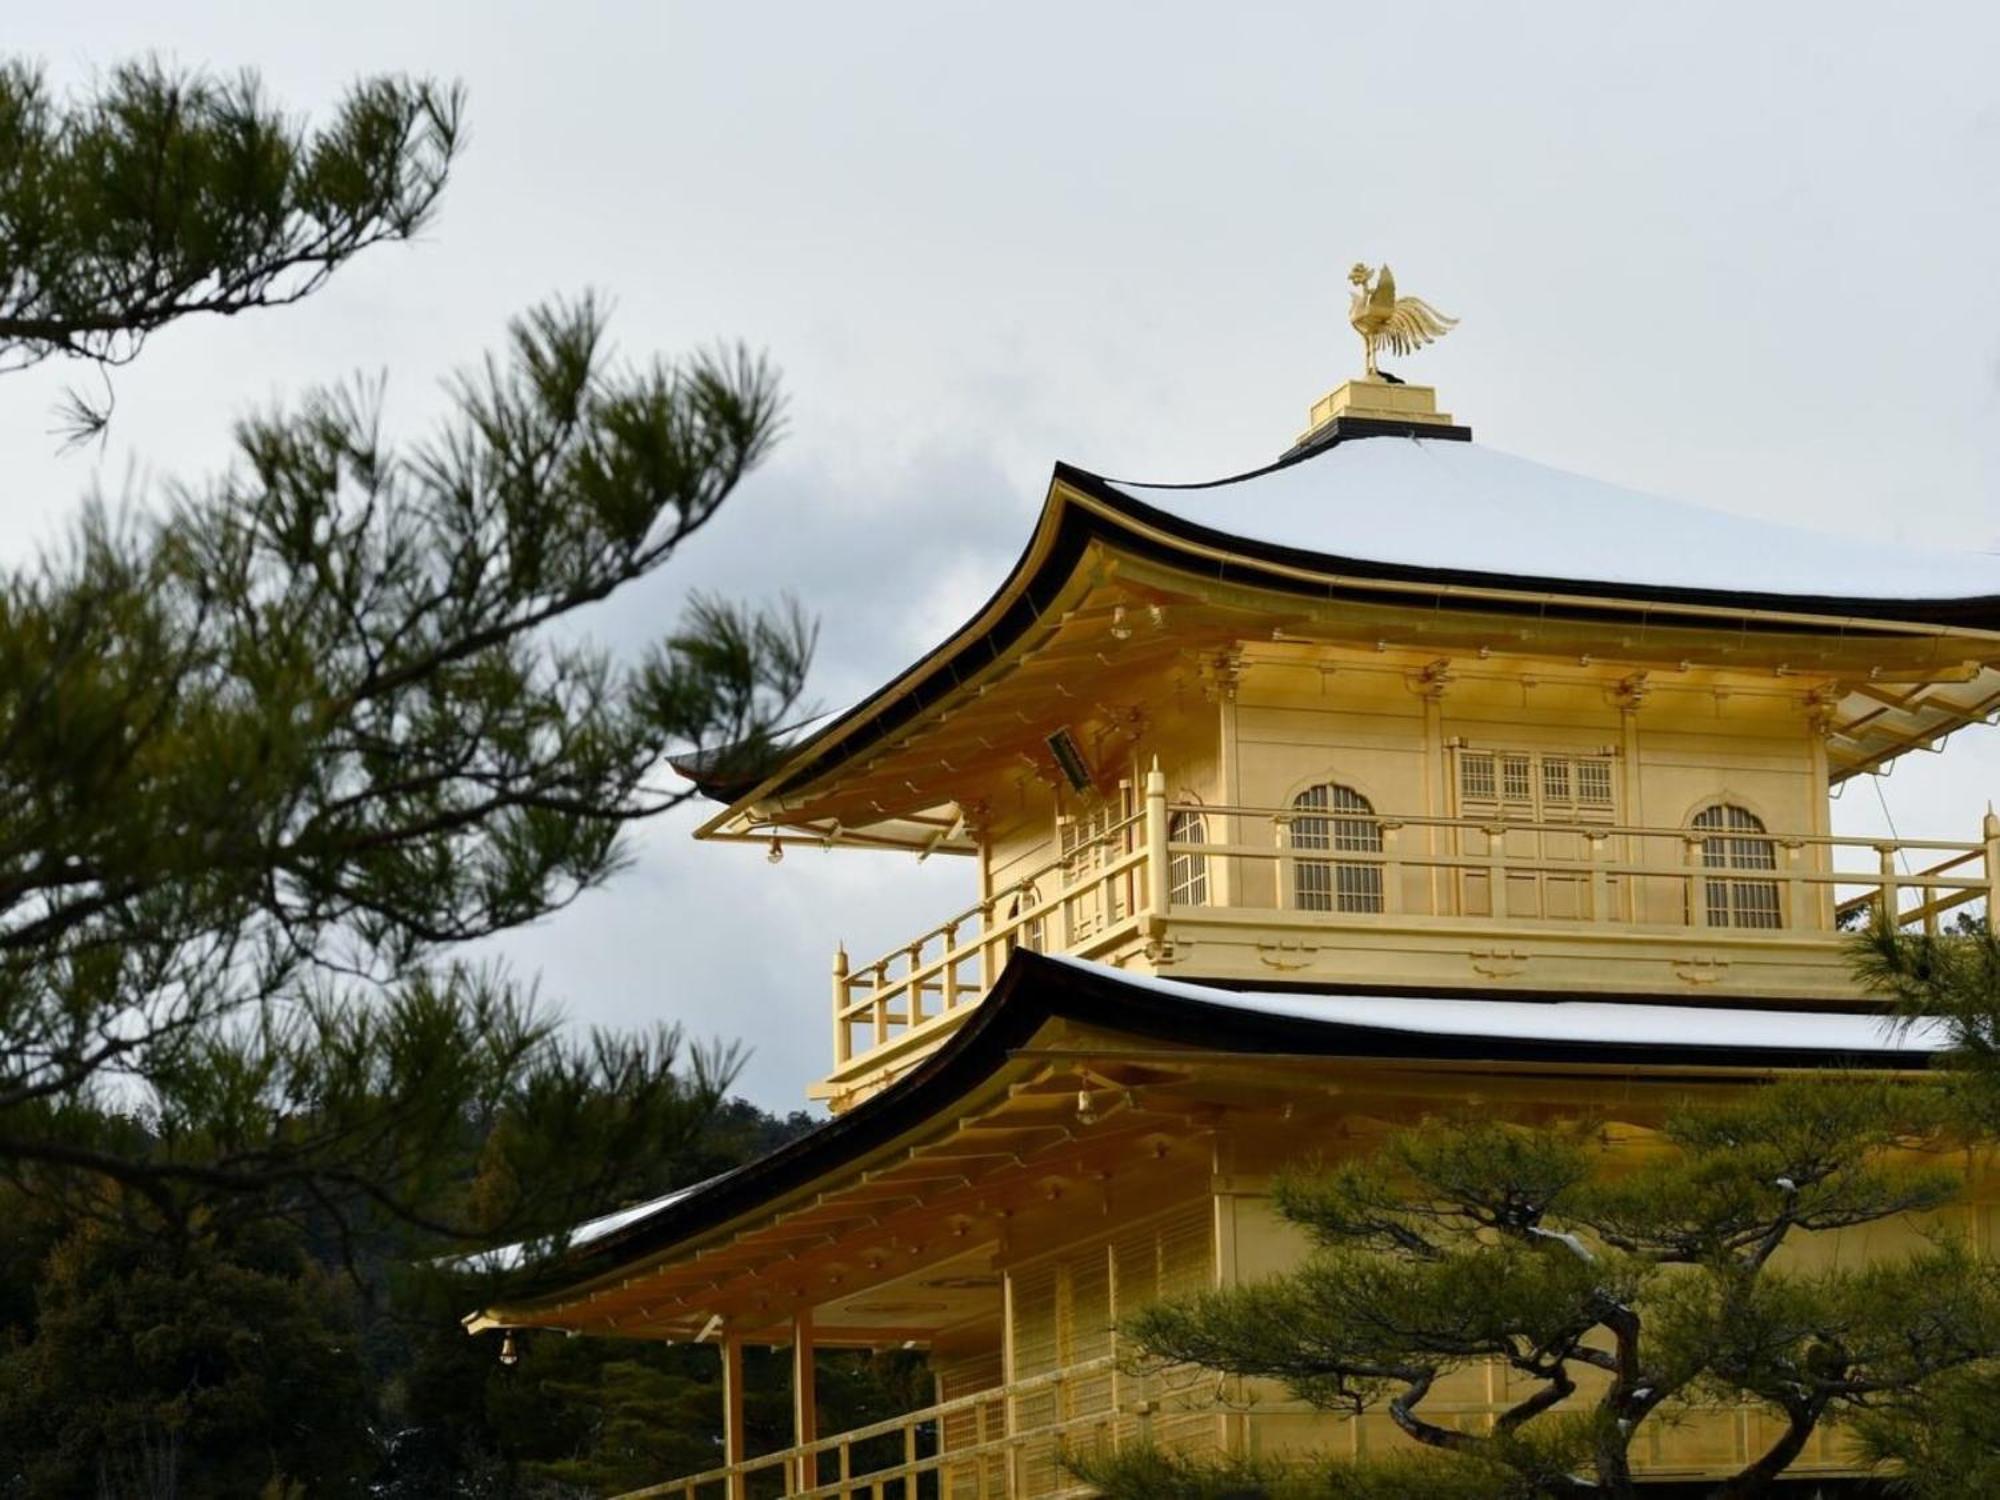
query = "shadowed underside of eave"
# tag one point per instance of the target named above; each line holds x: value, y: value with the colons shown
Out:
x: 1001, y: 1092
x: 1113, y: 590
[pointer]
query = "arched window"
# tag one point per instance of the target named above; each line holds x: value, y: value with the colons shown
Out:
x: 1029, y: 934
x: 1187, y: 872
x: 1336, y: 818
x: 1737, y: 843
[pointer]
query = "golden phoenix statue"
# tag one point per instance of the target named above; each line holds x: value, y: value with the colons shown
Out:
x: 1402, y: 325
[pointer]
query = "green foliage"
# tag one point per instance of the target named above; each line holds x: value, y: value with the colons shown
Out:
x: 1661, y: 1279
x: 1944, y: 1439
x: 365, y: 1374
x: 314, y: 733
x: 275, y: 748
x: 1952, y: 978
x: 224, y: 1369
x: 163, y: 193
x: 1161, y: 1474
x: 1943, y: 1444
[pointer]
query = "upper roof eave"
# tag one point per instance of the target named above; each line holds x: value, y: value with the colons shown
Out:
x: 1082, y: 507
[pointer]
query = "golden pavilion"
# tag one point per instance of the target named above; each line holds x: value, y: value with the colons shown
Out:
x: 1396, y: 775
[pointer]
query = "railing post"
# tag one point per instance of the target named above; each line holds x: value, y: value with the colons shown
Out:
x: 881, y: 1007
x: 1892, y: 889
x: 948, y: 998
x: 1697, y: 888
x: 913, y: 999
x: 1990, y: 832
x: 1802, y: 901
x: 843, y: 1042
x: 805, y: 1401
x: 1010, y: 1424
x: 1392, y: 869
x: 1496, y: 870
x: 1281, y: 832
x: 732, y: 1415
x: 1600, y: 888
x: 1156, y: 848
x: 910, y: 1462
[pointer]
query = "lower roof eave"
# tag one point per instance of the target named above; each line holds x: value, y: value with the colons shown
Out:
x: 1557, y: 1034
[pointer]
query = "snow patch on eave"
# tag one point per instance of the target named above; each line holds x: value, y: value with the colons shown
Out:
x: 514, y: 1257
x: 1610, y: 1022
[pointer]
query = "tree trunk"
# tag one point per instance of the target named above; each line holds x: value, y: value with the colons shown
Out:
x: 1756, y: 1479
x: 1614, y: 1469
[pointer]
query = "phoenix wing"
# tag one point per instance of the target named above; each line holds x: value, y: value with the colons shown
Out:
x: 1382, y: 296
x: 1412, y: 324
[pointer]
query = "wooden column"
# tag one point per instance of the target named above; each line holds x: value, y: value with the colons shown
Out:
x: 1438, y: 800
x: 1157, y: 885
x: 1224, y: 885
x: 843, y: 1039
x: 1633, y: 813
x: 732, y: 1412
x: 1989, y: 832
x: 805, y: 1403
x: 1820, y: 861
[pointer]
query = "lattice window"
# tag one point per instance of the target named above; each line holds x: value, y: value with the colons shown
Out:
x: 1593, y: 783
x: 1738, y: 846
x: 1536, y: 786
x: 1336, y: 885
x: 1187, y: 872
x: 1475, y: 776
x: 1555, y: 779
x: 1086, y: 841
x: 1089, y: 846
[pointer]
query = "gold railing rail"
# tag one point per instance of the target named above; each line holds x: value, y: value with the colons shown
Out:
x: 797, y: 1468
x: 1013, y: 1445
x: 1129, y: 879
x: 1803, y: 865
x: 1062, y: 906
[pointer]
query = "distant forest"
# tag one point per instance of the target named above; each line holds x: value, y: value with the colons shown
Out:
x: 132, y: 1365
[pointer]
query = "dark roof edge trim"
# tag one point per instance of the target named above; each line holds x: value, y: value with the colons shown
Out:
x: 1033, y: 990
x: 1980, y: 612
x: 940, y: 672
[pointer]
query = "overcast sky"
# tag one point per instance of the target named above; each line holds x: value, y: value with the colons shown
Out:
x: 1743, y: 255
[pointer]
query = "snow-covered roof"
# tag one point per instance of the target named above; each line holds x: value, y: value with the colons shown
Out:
x: 513, y: 1257
x: 1576, y: 1021
x: 1459, y: 506
x: 1634, y: 1039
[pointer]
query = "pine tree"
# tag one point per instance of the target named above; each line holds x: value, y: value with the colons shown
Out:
x: 1944, y: 1442
x: 277, y: 746
x: 1615, y: 1294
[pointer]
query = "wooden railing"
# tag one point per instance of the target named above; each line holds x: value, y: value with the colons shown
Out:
x: 1335, y: 866
x: 1006, y: 1432
x: 1067, y: 905
x: 1015, y: 1442
x: 1512, y: 870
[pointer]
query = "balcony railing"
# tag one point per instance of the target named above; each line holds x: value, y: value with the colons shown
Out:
x: 1342, y: 866
x: 1011, y: 1442
x: 998, y: 1442
x: 1075, y: 904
